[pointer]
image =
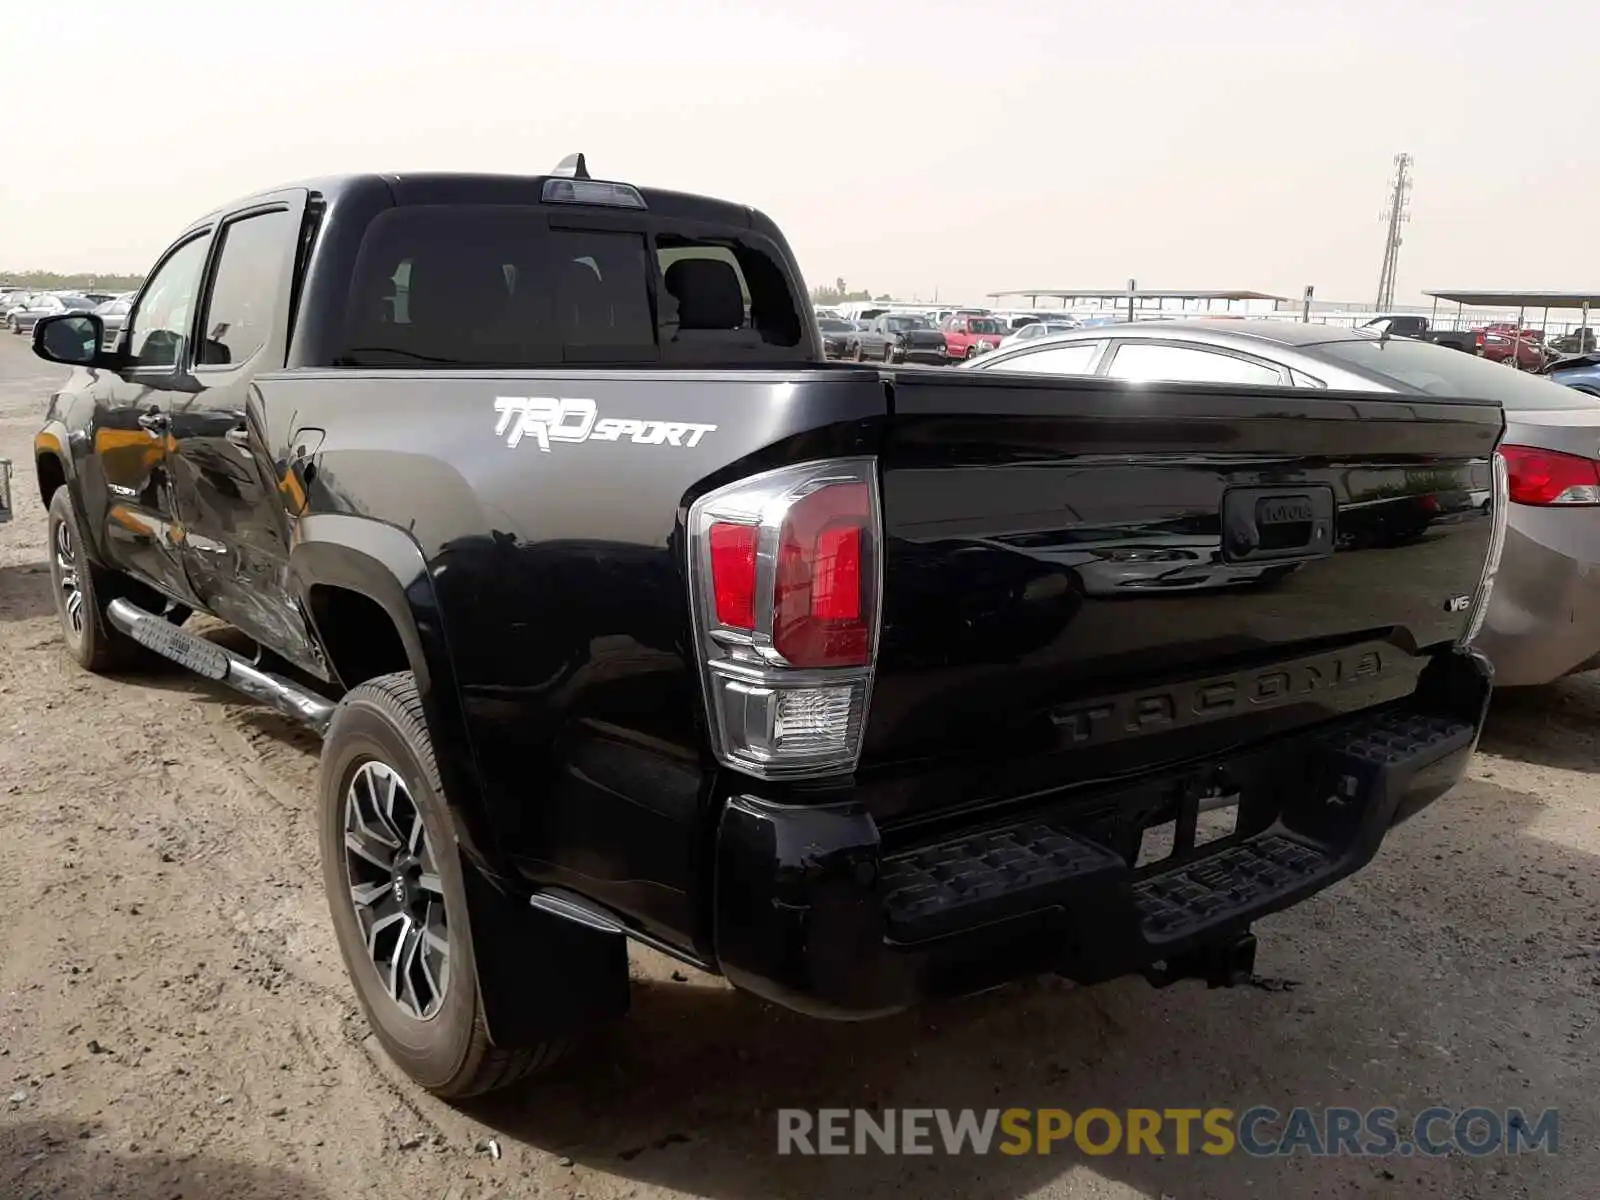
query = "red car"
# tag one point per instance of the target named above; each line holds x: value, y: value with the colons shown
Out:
x: 968, y: 336
x: 1499, y: 344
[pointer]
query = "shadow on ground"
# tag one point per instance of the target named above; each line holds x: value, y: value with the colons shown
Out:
x: 25, y: 592
x: 46, y: 1159
x: 252, y: 718
x: 1373, y: 994
x: 1557, y: 725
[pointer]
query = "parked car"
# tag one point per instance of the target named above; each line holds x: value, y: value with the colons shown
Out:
x: 46, y: 304
x: 13, y: 302
x: 1580, y: 341
x: 968, y: 336
x: 898, y: 337
x: 624, y: 628
x: 1544, y: 620
x: 112, y: 314
x: 1522, y: 354
x: 1580, y: 371
x: 836, y: 334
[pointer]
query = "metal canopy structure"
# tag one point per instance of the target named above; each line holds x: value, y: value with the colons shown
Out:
x: 1522, y: 302
x: 1133, y: 294
x: 1136, y: 293
x: 1520, y: 299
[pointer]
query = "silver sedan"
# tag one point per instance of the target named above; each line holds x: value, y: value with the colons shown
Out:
x: 46, y: 304
x: 1544, y: 615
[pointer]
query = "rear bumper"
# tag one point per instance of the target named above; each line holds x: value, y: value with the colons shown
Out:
x: 814, y: 912
x: 1544, y: 616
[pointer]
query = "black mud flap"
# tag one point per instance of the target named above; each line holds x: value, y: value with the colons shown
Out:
x: 541, y: 976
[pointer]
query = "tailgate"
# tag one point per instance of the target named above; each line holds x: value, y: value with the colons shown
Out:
x: 1099, y: 579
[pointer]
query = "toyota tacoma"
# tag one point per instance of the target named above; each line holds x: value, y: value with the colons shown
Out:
x: 625, y: 617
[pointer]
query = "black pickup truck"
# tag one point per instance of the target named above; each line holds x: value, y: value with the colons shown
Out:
x: 624, y: 616
x: 1409, y: 325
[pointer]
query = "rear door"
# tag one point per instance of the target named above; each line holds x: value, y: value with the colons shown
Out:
x: 1112, y: 576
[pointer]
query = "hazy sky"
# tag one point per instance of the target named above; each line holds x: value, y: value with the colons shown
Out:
x: 903, y: 144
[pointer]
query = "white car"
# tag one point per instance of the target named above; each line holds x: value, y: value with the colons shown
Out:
x: 1038, y: 329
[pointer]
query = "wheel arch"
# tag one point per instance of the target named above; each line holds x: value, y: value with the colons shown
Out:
x: 50, y: 460
x: 348, y: 569
x: 346, y: 566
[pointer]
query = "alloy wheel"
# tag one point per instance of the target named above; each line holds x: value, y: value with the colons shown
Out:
x: 66, y: 573
x: 396, y: 890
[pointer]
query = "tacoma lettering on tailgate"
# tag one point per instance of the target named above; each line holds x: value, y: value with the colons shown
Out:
x: 1112, y: 717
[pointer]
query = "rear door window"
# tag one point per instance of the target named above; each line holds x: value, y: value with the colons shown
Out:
x: 245, y: 286
x: 1149, y: 362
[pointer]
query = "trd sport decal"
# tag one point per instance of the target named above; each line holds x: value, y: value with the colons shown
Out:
x: 548, y: 419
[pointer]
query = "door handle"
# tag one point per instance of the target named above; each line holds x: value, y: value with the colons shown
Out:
x: 155, y: 421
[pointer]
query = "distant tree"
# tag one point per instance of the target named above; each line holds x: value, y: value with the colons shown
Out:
x: 837, y: 294
x: 82, y: 280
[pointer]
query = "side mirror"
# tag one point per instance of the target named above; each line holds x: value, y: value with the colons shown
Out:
x: 72, y: 338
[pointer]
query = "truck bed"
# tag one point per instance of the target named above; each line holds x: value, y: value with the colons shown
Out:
x: 1060, y: 610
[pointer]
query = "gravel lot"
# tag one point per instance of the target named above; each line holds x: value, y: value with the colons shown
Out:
x: 174, y: 1020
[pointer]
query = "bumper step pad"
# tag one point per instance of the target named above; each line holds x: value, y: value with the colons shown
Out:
x: 963, y: 883
x: 966, y: 882
x: 1242, y: 878
x: 1393, y: 738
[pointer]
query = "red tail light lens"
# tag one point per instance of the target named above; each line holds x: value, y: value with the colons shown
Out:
x: 1544, y: 477
x: 733, y: 574
x: 819, y: 619
x: 784, y: 584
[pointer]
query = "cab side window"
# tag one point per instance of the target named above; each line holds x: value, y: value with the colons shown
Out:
x: 160, y: 324
x: 244, y: 290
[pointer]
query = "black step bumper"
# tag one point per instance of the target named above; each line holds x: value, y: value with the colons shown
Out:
x: 814, y: 912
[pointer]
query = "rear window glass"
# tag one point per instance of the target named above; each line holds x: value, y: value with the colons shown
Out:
x: 1441, y: 371
x: 488, y: 285
x: 601, y: 290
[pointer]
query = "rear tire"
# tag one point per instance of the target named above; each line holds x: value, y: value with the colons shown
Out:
x: 860, y: 354
x: 82, y: 589
x: 888, y: 353
x: 406, y: 943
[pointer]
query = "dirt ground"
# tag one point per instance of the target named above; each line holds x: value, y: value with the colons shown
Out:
x: 174, y: 1020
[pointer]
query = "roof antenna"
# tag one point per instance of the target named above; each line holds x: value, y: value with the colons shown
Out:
x: 573, y: 167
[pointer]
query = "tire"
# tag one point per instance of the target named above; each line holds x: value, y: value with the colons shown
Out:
x: 888, y: 353
x: 972, y: 351
x: 434, y: 1028
x: 82, y: 589
x: 860, y: 354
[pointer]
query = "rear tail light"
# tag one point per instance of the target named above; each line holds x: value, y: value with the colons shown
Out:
x: 1499, y: 508
x: 1544, y: 477
x: 785, y: 574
